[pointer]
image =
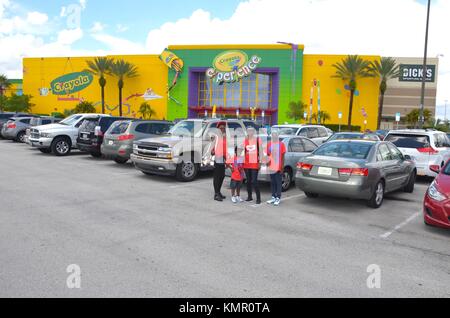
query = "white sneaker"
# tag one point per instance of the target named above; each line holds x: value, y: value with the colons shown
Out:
x: 240, y: 200
x: 272, y: 201
x: 277, y: 202
x: 234, y: 200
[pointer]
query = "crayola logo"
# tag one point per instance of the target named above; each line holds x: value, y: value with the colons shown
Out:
x: 230, y: 61
x: 71, y: 83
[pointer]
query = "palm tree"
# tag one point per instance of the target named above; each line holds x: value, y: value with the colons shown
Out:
x: 351, y: 69
x: 122, y: 69
x: 324, y: 117
x: 296, y: 110
x: 385, y: 70
x: 100, y: 67
x: 412, y: 118
x: 4, y: 85
x: 147, y: 111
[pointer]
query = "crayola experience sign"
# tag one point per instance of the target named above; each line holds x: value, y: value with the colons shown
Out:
x: 71, y: 83
x: 232, y: 66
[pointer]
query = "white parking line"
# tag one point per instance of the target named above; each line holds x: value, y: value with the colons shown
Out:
x: 401, y: 225
x: 282, y: 200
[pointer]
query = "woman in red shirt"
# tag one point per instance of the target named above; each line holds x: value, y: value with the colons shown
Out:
x: 252, y: 146
x: 276, y: 150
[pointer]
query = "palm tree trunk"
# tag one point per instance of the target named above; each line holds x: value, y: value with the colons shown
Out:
x: 103, y: 100
x: 120, y: 102
x: 380, y: 109
x: 350, y: 110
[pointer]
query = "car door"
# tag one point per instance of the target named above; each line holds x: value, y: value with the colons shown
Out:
x: 388, y: 167
x: 401, y: 172
x: 313, y: 134
x: 298, y: 149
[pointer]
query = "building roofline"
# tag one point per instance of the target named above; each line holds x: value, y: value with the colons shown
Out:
x: 235, y: 47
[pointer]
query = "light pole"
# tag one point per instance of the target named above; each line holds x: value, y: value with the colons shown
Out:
x: 422, y: 97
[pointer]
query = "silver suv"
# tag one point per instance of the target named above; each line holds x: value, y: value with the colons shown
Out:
x: 428, y: 148
x: 185, y: 150
x: 318, y: 134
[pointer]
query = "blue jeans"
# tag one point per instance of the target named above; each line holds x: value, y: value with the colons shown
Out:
x: 276, y: 180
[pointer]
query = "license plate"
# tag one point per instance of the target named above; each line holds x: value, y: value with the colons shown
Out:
x: 325, y: 171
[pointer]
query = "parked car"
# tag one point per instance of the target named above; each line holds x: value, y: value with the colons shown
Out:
x: 353, y: 136
x: 297, y: 148
x: 4, y: 117
x: 382, y: 133
x: 436, y: 206
x: 15, y: 129
x: 39, y: 121
x: 91, y: 133
x: 356, y: 169
x: 119, y: 138
x: 184, y: 151
x: 426, y: 148
x: 318, y: 134
x: 59, y: 138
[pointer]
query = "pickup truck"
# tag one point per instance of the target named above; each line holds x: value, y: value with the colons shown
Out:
x: 185, y: 150
x: 59, y: 138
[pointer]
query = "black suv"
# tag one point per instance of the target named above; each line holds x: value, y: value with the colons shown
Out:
x: 91, y: 133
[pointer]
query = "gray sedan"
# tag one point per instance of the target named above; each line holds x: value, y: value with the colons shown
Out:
x: 356, y: 169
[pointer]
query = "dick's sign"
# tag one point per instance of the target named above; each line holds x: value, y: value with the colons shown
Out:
x: 414, y: 73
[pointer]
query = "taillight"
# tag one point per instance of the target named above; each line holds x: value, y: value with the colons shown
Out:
x: 125, y: 137
x: 98, y: 131
x: 304, y: 166
x: 428, y: 150
x: 11, y: 126
x: 362, y: 172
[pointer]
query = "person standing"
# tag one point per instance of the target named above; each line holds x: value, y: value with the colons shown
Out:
x: 220, y: 152
x: 276, y: 150
x: 237, y: 175
x: 252, y: 164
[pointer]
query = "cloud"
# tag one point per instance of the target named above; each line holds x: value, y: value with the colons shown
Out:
x: 121, y: 28
x: 382, y: 27
x: 69, y: 36
x: 37, y: 18
x: 118, y: 45
x: 97, y: 27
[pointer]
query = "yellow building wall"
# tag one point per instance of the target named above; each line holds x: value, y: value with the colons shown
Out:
x: 40, y: 72
x: 334, y: 97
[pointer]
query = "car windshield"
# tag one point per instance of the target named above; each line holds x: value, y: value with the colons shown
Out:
x: 409, y: 140
x: 119, y: 127
x: 351, y: 150
x: 285, y: 131
x: 69, y: 121
x: 34, y: 121
x: 345, y: 136
x: 188, y: 128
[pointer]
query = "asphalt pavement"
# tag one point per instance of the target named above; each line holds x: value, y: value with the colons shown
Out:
x: 133, y: 235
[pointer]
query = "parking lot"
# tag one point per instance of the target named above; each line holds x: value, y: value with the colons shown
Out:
x: 134, y: 235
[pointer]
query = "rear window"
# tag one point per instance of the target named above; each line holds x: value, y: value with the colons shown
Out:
x: 106, y: 122
x: 89, y: 125
x: 345, y: 136
x: 345, y: 150
x: 409, y: 141
x: 5, y: 116
x: 25, y: 121
x: 159, y: 129
x: 119, y: 127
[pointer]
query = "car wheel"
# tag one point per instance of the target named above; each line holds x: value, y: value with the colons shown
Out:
x: 96, y: 154
x: 61, y: 146
x: 187, y: 171
x: 286, y: 180
x: 21, y: 137
x: 45, y: 150
x: 377, y: 198
x: 311, y: 195
x: 411, y: 183
x: 120, y: 161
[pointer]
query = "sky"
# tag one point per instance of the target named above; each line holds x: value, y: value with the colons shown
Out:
x: 36, y: 28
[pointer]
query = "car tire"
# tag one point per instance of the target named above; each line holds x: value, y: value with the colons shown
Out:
x: 96, y: 154
x: 61, y: 146
x: 376, y: 201
x: 120, y: 161
x: 20, y: 137
x: 409, y: 188
x: 311, y: 195
x: 45, y: 150
x: 187, y: 171
x: 287, y: 180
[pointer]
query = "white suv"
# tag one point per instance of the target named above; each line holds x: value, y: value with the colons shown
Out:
x: 60, y: 138
x: 428, y: 148
x: 318, y: 134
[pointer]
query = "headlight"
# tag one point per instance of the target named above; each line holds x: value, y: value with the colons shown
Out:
x: 45, y: 135
x: 135, y: 146
x: 165, y: 149
x: 435, y: 194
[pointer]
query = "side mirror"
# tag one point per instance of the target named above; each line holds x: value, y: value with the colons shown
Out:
x: 435, y: 168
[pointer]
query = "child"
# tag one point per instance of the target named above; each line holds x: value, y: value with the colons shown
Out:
x: 237, y: 175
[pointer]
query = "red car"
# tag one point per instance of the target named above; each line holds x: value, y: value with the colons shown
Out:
x: 437, y: 199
